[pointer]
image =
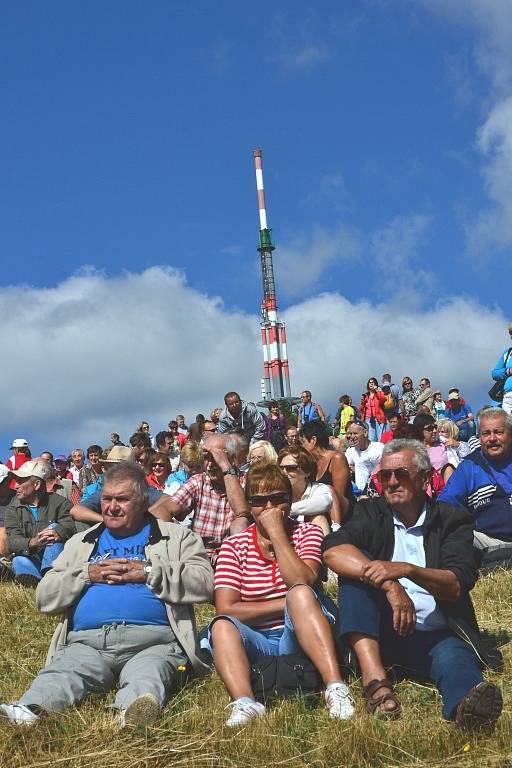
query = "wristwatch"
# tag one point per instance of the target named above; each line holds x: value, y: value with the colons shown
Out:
x: 147, y: 568
x: 230, y: 471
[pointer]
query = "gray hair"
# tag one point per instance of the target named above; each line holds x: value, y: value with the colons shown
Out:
x: 421, y: 457
x: 237, y: 447
x: 128, y: 470
x: 495, y: 413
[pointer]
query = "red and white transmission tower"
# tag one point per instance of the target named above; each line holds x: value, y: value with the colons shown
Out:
x: 275, y: 384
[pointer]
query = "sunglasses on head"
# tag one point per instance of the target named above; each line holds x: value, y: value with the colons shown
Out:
x: 400, y: 473
x: 261, y: 500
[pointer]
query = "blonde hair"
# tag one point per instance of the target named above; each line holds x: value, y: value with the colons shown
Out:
x: 192, y: 455
x: 450, y: 427
x: 270, y: 454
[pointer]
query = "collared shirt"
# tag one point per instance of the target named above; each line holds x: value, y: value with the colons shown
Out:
x: 212, y: 512
x: 409, y: 549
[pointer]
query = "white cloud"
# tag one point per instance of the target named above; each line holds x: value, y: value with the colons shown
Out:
x: 491, y: 24
x: 305, y: 57
x: 96, y: 354
x: 301, y: 263
x: 395, y: 255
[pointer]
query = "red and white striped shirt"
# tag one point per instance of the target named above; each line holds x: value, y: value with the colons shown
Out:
x: 242, y: 566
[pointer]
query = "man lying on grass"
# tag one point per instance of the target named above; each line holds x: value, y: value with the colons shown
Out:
x: 127, y: 587
x: 407, y: 566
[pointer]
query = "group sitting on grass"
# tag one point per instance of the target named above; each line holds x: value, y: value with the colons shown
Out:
x: 125, y: 587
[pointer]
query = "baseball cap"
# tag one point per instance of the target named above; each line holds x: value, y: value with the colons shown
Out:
x: 20, y: 442
x: 35, y: 468
x: 4, y: 472
x: 61, y: 457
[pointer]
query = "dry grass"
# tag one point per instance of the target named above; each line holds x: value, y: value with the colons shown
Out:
x: 191, y: 730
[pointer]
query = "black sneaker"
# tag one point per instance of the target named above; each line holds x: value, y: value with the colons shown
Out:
x: 26, y: 580
x: 481, y: 706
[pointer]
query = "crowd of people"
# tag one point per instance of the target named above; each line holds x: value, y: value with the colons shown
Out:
x: 403, y: 498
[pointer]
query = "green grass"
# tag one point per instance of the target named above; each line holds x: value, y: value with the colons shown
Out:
x: 191, y: 730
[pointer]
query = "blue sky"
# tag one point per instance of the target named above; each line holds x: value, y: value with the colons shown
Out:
x: 126, y: 143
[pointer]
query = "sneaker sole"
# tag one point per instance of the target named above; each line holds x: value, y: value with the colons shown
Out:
x: 143, y: 711
x: 482, y: 706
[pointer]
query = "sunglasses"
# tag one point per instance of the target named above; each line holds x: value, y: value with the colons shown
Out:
x: 289, y: 467
x: 261, y: 500
x: 158, y: 464
x: 400, y: 473
x: 429, y: 427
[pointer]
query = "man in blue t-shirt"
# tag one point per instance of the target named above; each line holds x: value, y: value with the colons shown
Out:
x: 483, y: 483
x: 127, y: 587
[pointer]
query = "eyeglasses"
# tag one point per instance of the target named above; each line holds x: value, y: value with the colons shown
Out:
x: 429, y: 428
x: 400, y: 473
x: 261, y: 500
x: 158, y: 464
x: 289, y: 467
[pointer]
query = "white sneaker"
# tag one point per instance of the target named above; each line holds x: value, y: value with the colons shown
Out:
x: 339, y: 701
x: 142, y: 711
x: 18, y: 714
x: 244, y: 710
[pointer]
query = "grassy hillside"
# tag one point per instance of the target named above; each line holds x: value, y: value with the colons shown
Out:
x: 191, y: 730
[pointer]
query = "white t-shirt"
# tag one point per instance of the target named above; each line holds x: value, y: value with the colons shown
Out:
x: 364, y: 462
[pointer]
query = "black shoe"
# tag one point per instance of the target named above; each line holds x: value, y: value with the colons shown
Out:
x: 26, y: 580
x: 481, y: 706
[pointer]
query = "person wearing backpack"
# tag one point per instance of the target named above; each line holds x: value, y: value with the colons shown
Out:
x: 502, y: 372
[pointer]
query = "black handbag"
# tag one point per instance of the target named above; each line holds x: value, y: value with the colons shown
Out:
x: 496, y: 392
x: 281, y: 677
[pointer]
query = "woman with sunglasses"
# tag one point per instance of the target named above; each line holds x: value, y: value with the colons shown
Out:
x: 435, y: 448
x: 160, y: 469
x: 409, y: 397
x: 268, y: 601
x: 311, y: 501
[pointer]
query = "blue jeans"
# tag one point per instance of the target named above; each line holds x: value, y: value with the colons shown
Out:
x: 274, y: 642
x: 38, y: 563
x: 438, y: 655
x: 375, y: 429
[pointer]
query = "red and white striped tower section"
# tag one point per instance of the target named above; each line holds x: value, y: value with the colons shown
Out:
x: 276, y: 378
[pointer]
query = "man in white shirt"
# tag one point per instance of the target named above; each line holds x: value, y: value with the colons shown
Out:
x: 362, y: 455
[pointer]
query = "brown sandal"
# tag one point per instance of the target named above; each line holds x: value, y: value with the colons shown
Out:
x: 373, y: 703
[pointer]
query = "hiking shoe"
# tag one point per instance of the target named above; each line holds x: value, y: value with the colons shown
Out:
x: 244, y: 710
x: 142, y: 711
x: 18, y: 714
x: 26, y: 580
x: 339, y: 701
x: 481, y: 706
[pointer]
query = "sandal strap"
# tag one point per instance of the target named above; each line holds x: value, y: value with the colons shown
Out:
x: 374, y: 702
x: 374, y: 685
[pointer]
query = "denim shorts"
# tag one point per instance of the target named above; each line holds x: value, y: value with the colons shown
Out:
x: 274, y: 642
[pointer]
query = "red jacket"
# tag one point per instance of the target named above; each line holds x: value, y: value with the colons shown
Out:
x: 372, y: 406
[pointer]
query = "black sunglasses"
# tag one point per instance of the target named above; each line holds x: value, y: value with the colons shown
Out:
x: 261, y: 500
x: 400, y: 473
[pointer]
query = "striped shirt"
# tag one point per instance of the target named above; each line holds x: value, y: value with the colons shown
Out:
x: 242, y: 566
